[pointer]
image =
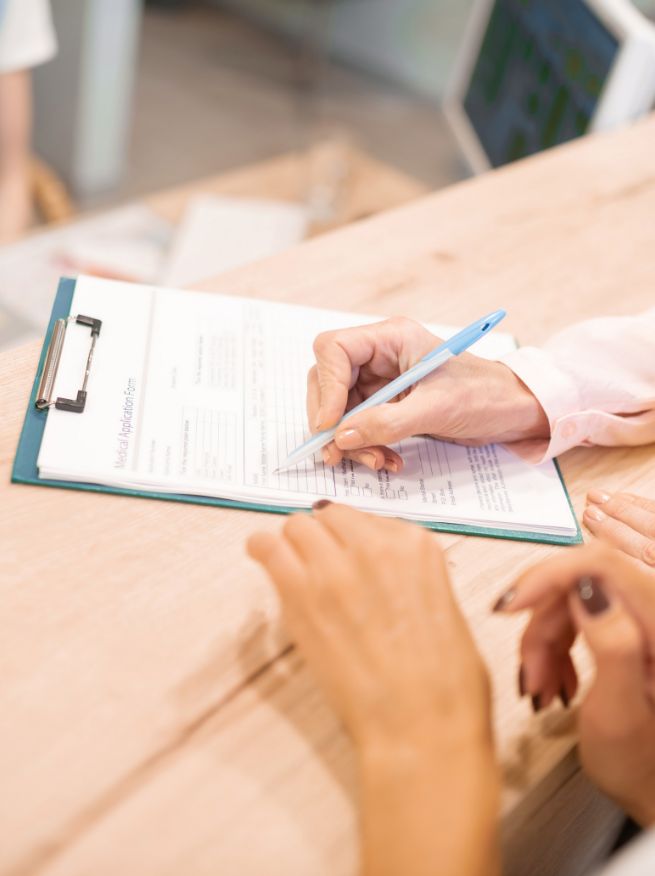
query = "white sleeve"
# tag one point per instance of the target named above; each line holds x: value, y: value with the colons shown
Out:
x: 27, y: 36
x: 637, y: 859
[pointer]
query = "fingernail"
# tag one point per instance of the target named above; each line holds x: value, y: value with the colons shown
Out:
x: 349, y: 439
x: 319, y: 420
x: 322, y: 503
x: 391, y: 465
x: 536, y: 703
x: 505, y: 600
x: 522, y: 690
x: 564, y: 697
x: 592, y: 595
x: 369, y: 459
x: 594, y: 513
x: 598, y: 497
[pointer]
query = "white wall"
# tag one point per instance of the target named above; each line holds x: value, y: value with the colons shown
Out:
x: 411, y: 41
x: 83, y: 97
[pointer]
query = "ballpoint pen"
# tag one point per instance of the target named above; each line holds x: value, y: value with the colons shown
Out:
x: 429, y: 363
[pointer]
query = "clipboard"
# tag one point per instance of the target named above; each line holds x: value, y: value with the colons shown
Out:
x: 25, y: 470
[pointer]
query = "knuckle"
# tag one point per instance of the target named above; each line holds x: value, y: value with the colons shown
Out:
x: 389, y: 422
x: 294, y: 525
x: 401, y: 322
x: 648, y: 553
x: 618, y: 506
x: 322, y: 342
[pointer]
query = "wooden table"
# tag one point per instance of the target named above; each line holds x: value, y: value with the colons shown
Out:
x: 153, y: 717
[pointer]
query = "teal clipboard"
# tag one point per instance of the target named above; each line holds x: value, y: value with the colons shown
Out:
x: 25, y: 468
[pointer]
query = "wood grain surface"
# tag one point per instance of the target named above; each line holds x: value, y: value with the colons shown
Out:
x: 153, y: 717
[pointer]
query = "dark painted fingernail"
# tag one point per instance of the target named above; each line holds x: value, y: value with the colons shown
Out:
x: 322, y: 503
x: 564, y: 697
x: 592, y: 595
x: 506, y: 599
x: 522, y: 690
x: 536, y: 703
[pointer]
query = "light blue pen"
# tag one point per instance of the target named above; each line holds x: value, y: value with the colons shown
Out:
x: 429, y: 363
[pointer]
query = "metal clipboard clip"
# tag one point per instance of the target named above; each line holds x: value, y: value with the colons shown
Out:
x: 53, y: 357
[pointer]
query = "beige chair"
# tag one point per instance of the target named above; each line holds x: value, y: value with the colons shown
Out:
x: 50, y: 197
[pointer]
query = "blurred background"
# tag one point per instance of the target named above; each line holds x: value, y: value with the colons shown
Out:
x: 344, y: 97
x: 193, y: 87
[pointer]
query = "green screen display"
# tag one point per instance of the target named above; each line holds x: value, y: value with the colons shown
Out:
x: 538, y: 77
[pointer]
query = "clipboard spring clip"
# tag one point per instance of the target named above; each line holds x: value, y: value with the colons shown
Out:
x: 51, y: 366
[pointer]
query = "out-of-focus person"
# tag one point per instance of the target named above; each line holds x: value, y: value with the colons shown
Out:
x: 27, y: 39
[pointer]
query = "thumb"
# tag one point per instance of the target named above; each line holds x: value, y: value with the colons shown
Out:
x: 617, y: 644
x: 382, y: 425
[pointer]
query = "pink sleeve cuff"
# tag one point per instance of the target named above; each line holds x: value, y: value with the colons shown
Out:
x: 557, y: 394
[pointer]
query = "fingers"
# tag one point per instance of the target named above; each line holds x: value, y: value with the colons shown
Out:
x: 546, y: 668
x: 356, y: 530
x: 618, y: 647
x: 599, y: 497
x: 312, y: 542
x: 624, y: 521
x: 381, y: 425
x: 556, y: 577
x: 386, y: 349
x: 339, y: 354
x: 279, y: 559
x: 375, y: 458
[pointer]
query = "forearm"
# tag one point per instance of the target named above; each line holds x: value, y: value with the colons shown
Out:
x: 15, y: 122
x: 426, y: 812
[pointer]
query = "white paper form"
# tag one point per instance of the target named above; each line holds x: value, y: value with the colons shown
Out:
x: 205, y: 395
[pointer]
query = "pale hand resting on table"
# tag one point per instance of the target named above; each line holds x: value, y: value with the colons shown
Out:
x: 623, y: 520
x: 368, y: 601
x: 609, y: 599
x: 593, y: 383
x: 468, y: 400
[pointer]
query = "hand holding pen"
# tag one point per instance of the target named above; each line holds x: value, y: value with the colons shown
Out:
x: 467, y: 400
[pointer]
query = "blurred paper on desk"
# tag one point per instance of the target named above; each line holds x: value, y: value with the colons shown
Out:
x: 217, y: 234
x: 127, y: 243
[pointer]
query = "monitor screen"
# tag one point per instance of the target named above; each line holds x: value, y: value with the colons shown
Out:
x: 538, y: 77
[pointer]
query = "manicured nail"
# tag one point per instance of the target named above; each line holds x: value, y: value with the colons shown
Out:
x: 349, y: 439
x: 593, y: 512
x: 564, y: 697
x: 536, y: 703
x: 592, y: 596
x: 369, y: 459
x: 391, y: 465
x: 598, y: 497
x: 322, y: 503
x: 319, y: 420
x: 522, y: 689
x: 505, y: 600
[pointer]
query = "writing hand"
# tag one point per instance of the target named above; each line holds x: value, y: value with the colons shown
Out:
x: 468, y: 400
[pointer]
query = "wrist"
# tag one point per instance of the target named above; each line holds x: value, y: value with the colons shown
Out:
x: 413, y: 753
x: 521, y: 416
x: 406, y: 789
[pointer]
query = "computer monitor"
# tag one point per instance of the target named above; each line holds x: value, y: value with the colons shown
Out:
x: 535, y: 73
